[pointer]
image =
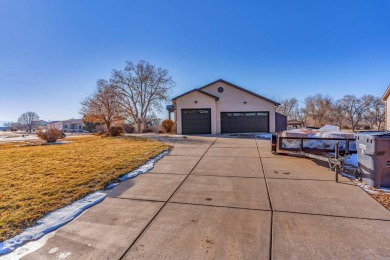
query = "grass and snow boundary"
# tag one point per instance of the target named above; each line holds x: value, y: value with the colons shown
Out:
x: 62, y: 216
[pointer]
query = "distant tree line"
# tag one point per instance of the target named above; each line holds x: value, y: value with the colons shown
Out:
x: 350, y: 112
x: 28, y: 121
x: 133, y: 94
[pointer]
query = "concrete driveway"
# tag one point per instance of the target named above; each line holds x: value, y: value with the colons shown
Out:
x: 225, y: 198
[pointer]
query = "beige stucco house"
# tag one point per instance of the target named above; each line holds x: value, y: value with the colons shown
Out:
x: 222, y: 107
x: 70, y: 125
x: 385, y: 98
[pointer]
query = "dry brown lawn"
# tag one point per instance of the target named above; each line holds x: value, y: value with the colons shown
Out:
x: 35, y: 180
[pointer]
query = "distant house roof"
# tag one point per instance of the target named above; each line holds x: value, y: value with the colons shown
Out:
x: 71, y: 121
x: 387, y: 93
x: 197, y: 90
x: 242, y: 89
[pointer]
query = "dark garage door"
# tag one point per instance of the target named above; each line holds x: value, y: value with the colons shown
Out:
x: 244, y: 122
x: 196, y: 121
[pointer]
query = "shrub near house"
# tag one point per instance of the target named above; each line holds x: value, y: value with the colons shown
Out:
x: 51, y: 135
x: 167, y: 125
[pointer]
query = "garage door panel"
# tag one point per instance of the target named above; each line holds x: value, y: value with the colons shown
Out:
x: 196, y: 121
x: 244, y: 122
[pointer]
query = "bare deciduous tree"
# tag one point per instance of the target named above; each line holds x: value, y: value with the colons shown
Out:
x: 300, y: 114
x: 28, y: 120
x: 375, y: 115
x: 355, y: 108
x: 102, y: 107
x: 287, y: 107
x: 317, y: 108
x: 13, y: 126
x: 141, y: 88
x: 337, y: 114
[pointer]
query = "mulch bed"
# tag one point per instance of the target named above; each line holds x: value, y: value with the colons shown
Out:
x: 383, y: 198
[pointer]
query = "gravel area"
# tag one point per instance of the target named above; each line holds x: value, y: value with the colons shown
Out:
x: 383, y: 198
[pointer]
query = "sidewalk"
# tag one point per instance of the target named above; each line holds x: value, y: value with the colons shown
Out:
x: 227, y: 198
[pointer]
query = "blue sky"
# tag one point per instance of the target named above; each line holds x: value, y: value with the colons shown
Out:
x: 52, y: 52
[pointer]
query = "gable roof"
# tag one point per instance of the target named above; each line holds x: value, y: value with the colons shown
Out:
x: 242, y: 89
x: 387, y: 93
x: 197, y: 90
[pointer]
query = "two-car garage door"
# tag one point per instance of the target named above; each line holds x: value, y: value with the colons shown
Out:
x: 244, y: 122
x: 198, y: 121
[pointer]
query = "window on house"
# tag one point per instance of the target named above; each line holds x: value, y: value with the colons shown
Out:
x: 250, y: 114
x: 262, y: 114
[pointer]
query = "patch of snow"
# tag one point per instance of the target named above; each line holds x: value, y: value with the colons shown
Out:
x: 59, y: 142
x: 317, y: 144
x: 328, y: 131
x: 264, y: 135
x: 53, y: 250
x: 329, y: 128
x: 19, y: 138
x: 142, y: 169
x: 63, y: 255
x: 365, y: 187
x: 387, y: 190
x: 28, y: 248
x: 52, y: 221
x: 352, y: 160
x: 60, y: 217
x: 111, y: 185
x: 348, y: 175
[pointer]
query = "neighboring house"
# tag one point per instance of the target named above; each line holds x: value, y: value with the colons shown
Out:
x: 222, y: 107
x: 71, y: 125
x: 291, y: 124
x: 385, y: 98
x: 40, y: 124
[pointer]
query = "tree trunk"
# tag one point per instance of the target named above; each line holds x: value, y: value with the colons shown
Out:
x: 108, y: 124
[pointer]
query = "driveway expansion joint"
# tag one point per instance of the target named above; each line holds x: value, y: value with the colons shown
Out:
x: 217, y: 206
x: 329, y: 215
x: 165, y: 203
x: 270, y: 204
x: 137, y: 199
x: 298, y: 179
x: 228, y: 176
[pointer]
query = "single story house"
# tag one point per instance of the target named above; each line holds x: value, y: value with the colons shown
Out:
x: 222, y: 107
x: 71, y: 125
x: 385, y: 98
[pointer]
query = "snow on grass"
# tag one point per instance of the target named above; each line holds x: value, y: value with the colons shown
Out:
x: 140, y: 170
x: 52, y: 221
x: 60, y: 217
